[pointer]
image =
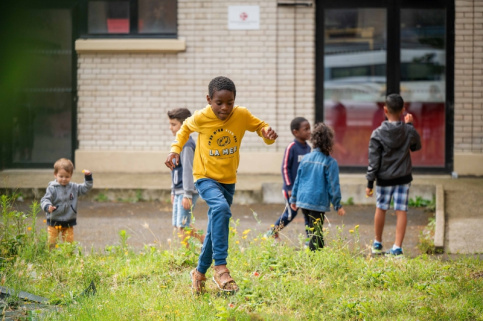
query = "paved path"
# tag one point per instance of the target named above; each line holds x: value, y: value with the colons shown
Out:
x: 99, y: 224
x: 463, y: 197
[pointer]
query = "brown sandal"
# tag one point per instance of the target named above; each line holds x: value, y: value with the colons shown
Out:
x: 223, y: 280
x: 197, y: 281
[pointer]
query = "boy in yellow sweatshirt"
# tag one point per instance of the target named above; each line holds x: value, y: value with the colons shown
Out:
x: 221, y: 126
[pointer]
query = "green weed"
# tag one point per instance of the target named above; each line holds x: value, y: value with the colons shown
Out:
x: 430, y: 205
x: 101, y: 197
x: 350, y: 201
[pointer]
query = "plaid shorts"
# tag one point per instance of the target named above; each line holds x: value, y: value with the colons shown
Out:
x: 398, y: 192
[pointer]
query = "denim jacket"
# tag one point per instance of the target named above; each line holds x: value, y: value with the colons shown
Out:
x: 317, y: 183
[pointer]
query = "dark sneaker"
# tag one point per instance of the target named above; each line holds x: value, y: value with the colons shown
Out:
x: 397, y: 253
x: 377, y: 248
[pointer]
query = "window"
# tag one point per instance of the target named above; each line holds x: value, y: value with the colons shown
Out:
x: 370, y: 48
x: 130, y: 19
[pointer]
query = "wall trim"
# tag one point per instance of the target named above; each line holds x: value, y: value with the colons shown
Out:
x: 468, y: 164
x: 130, y: 45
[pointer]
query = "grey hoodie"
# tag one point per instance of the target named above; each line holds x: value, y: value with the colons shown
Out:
x: 65, y: 199
x: 389, y: 154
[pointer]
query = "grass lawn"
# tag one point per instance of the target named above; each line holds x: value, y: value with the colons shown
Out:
x: 276, y: 282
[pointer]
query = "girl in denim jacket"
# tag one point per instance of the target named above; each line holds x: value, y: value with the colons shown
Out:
x: 317, y: 184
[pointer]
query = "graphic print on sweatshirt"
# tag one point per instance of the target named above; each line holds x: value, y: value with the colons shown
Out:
x: 222, y: 143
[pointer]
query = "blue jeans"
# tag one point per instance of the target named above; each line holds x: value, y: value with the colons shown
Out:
x: 219, y: 198
x: 287, y: 216
x: 182, y: 217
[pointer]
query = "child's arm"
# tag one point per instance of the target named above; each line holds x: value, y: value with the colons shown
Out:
x: 188, y: 181
x: 182, y: 136
x: 88, y: 183
x: 332, y: 177
x: 293, y: 197
x: 369, y: 192
x: 374, y: 157
x: 262, y: 128
x: 408, y: 119
x: 46, y: 201
x: 172, y: 160
x: 269, y: 134
x: 416, y: 139
x: 286, y: 168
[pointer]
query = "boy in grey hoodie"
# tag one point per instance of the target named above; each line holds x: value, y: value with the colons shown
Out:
x: 60, y: 201
x: 390, y: 164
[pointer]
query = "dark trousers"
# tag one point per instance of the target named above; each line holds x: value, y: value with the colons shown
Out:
x: 287, y: 216
x: 315, y: 222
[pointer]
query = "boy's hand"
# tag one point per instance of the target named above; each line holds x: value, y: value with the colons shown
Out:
x: 369, y: 192
x: 86, y: 172
x: 186, y: 203
x: 341, y: 211
x: 172, y: 198
x: 169, y: 161
x: 269, y: 133
x: 408, y: 118
x: 293, y: 206
x: 52, y: 208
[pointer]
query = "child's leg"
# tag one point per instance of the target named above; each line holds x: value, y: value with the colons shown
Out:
x: 68, y: 234
x: 307, y: 223
x: 176, y: 202
x: 383, y: 201
x: 379, y: 220
x: 184, y: 220
x: 53, y: 235
x: 401, y: 198
x: 287, y: 216
x: 316, y: 220
x: 400, y: 227
x: 219, y: 198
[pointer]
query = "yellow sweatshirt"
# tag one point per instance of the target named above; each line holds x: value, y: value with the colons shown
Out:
x: 217, y: 152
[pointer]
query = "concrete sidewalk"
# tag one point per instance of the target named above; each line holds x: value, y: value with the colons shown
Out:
x: 459, y: 201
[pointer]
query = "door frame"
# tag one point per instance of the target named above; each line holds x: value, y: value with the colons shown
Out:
x: 393, y: 71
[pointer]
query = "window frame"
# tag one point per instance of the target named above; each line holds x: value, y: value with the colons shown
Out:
x: 133, y: 24
x: 393, y: 72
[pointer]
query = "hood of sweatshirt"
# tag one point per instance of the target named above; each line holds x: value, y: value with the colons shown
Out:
x: 393, y: 134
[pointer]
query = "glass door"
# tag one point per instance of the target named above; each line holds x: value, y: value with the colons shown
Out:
x: 355, y: 47
x: 43, y: 100
x: 423, y: 81
x: 367, y: 49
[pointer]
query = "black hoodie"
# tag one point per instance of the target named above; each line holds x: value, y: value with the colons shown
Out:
x: 389, y: 154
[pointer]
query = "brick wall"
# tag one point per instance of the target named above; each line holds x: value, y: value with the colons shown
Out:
x: 123, y: 97
x: 468, y: 111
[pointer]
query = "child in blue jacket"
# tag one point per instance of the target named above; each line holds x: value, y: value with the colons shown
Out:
x: 317, y: 184
x: 300, y: 128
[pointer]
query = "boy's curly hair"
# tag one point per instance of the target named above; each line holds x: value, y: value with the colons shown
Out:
x: 221, y: 83
x: 323, y: 138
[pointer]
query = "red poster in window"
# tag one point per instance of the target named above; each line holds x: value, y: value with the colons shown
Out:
x: 118, y: 25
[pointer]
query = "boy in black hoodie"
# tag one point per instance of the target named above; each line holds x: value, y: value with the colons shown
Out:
x: 390, y: 164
